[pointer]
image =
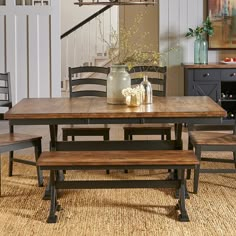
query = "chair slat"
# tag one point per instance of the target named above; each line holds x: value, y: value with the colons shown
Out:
x: 89, y: 81
x: 87, y: 93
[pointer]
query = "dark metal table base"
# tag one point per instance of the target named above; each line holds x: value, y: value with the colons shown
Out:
x: 179, y: 184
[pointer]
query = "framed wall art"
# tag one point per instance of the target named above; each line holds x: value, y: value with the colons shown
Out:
x: 222, y: 13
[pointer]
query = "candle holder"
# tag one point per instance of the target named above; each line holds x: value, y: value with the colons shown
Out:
x: 133, y: 96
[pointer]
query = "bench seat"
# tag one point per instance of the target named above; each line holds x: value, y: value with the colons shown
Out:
x: 66, y: 159
x: 180, y: 160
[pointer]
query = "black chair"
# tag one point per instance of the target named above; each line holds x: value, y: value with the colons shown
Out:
x: 11, y: 141
x: 212, y: 138
x: 82, y: 83
x: 157, y: 77
x: 87, y: 81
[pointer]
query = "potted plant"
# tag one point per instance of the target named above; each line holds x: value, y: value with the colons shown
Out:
x: 200, y: 43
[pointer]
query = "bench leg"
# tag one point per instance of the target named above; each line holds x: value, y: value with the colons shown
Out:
x: 52, y: 218
x: 183, y: 217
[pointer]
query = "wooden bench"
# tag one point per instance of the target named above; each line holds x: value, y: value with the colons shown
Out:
x: 121, y: 159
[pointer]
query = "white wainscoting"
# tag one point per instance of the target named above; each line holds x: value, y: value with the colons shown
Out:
x: 30, y: 49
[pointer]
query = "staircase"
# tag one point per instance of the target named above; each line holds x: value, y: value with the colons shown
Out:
x: 84, y: 44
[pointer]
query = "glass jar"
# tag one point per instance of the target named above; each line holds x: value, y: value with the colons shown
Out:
x: 147, y: 90
x: 200, y: 50
x: 117, y: 80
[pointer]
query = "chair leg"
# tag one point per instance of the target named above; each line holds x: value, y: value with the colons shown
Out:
x: 197, y: 170
x: 37, y: 152
x: 106, y: 136
x: 168, y: 135
x: 10, y: 169
x: 188, y: 174
x: 126, y: 137
x: 234, y: 153
x: 64, y: 137
x: 190, y: 147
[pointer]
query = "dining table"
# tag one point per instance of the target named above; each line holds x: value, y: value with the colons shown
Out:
x: 177, y: 110
x: 60, y: 111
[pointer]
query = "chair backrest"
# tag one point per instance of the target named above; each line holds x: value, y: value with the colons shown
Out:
x: 156, y: 76
x: 5, y: 92
x: 88, y: 81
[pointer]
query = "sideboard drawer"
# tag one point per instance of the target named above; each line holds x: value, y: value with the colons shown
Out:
x: 228, y: 74
x: 209, y: 74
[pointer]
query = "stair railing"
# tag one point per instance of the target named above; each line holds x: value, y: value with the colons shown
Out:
x: 83, y: 44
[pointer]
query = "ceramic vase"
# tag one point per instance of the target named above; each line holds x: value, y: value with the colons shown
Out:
x: 117, y: 80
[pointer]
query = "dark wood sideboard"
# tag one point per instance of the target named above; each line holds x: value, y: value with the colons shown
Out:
x: 217, y: 81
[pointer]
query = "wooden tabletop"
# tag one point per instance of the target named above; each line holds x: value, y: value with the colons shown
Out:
x: 56, y: 108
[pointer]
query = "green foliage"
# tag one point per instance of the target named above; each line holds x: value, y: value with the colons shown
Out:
x: 206, y: 28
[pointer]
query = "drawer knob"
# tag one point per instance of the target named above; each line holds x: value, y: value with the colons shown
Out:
x: 207, y: 74
x: 234, y: 74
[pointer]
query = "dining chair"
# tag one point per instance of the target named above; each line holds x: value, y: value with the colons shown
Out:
x: 11, y: 141
x: 212, y: 138
x: 87, y: 81
x: 157, y: 77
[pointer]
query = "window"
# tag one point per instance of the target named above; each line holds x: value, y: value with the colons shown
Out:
x: 32, y: 2
x: 41, y: 2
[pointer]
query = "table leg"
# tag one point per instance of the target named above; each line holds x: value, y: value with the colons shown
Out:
x: 53, y: 135
x: 59, y: 174
x: 179, y: 146
x: 178, y: 136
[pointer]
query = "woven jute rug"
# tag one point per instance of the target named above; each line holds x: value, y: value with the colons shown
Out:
x: 118, y: 211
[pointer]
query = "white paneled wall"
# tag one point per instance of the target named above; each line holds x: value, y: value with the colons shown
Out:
x: 2, y: 43
x: 30, y: 48
x: 176, y: 16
